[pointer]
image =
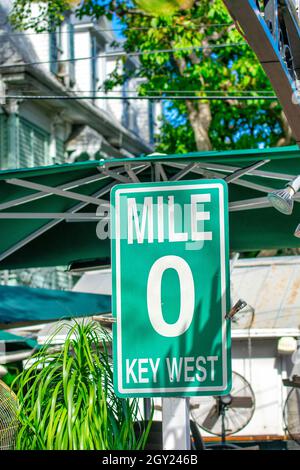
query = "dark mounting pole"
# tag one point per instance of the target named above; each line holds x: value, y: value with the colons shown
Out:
x: 223, y: 412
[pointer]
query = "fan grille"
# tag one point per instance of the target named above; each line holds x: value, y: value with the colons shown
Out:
x: 292, y: 414
x: 8, y: 417
x: 206, y: 410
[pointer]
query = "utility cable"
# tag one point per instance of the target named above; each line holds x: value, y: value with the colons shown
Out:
x: 125, y: 54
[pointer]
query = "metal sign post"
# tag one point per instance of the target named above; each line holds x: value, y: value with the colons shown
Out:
x: 176, y: 424
x: 170, y: 269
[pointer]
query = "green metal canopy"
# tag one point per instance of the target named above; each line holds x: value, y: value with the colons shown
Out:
x: 6, y: 337
x: 48, y: 215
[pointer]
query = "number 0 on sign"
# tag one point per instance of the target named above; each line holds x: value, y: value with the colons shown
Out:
x: 171, y: 289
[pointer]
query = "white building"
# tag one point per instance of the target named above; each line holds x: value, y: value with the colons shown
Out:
x: 71, y: 62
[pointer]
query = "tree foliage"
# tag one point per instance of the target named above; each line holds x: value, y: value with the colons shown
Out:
x: 210, y: 69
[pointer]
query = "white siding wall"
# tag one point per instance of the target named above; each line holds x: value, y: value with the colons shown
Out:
x: 36, y: 115
x: 41, y: 46
x: 102, y: 75
x: 40, y: 42
x: 157, y: 113
x: 115, y: 107
x: 83, y: 67
x: 138, y: 110
x: 65, y: 41
x: 264, y: 372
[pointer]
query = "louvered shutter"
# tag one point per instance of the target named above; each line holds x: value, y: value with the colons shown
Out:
x: 33, y: 145
x: 94, y: 65
x: 3, y: 139
x: 40, y: 143
x: 25, y: 144
x: 53, y: 52
x: 71, y: 54
x: 63, y: 280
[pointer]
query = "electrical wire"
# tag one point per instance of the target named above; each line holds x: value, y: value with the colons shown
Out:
x: 186, y: 92
x: 112, y: 30
x: 129, y: 54
x: 148, y: 97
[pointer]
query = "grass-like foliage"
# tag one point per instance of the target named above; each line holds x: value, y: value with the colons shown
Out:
x: 67, y: 400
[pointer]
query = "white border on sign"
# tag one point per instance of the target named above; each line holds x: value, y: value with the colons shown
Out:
x: 118, y: 288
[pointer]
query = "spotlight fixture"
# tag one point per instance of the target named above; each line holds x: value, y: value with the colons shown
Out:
x: 235, y: 309
x: 297, y: 231
x: 283, y: 199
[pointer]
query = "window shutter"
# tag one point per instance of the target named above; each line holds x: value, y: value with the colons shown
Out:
x: 40, y: 147
x: 33, y: 145
x: 3, y: 139
x: 63, y: 280
x: 53, y: 52
x: 25, y: 148
x: 94, y: 65
x: 151, y: 121
x: 71, y: 54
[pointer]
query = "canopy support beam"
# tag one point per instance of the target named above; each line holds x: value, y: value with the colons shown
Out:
x: 201, y: 170
x: 247, y: 204
x: 160, y: 172
x: 184, y: 172
x: 244, y: 171
x: 115, y: 175
x: 84, y: 216
x: 51, y: 224
x: 132, y: 175
x: 70, y: 185
x: 263, y: 174
x: 42, y: 194
x: 254, y: 203
x: 53, y: 190
x: 128, y: 168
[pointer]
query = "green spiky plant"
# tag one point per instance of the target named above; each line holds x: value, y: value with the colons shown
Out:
x: 67, y: 400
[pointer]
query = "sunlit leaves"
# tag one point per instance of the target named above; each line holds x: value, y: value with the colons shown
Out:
x: 164, y: 7
x: 232, y: 70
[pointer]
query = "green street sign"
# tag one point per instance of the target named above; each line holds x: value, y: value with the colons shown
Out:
x: 170, y: 267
